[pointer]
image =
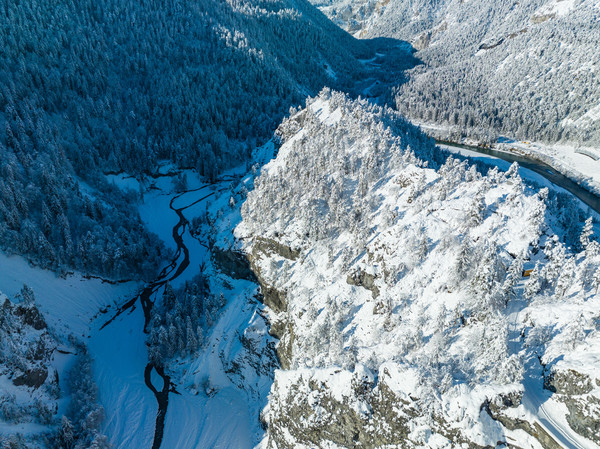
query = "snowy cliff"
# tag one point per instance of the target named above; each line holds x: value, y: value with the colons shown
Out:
x: 394, y: 279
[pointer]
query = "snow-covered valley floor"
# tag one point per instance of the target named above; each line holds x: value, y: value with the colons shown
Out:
x: 223, y: 415
x: 206, y: 408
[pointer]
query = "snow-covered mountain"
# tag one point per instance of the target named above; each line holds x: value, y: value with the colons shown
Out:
x: 178, y: 276
x: 394, y: 279
x: 91, y: 89
x: 354, y: 16
x: 523, y: 69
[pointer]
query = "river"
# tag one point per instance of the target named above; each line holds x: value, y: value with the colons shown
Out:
x: 147, y: 297
x: 558, y: 179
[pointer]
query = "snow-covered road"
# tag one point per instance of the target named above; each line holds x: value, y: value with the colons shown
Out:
x: 536, y: 400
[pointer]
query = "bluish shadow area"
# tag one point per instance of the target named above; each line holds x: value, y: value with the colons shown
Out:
x: 385, y: 69
x: 503, y: 139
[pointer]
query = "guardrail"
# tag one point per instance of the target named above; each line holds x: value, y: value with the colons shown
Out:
x: 588, y: 153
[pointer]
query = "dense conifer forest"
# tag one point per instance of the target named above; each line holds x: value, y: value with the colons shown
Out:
x: 105, y: 86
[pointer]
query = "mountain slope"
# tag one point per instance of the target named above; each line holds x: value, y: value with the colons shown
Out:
x: 521, y: 69
x: 106, y: 86
x: 128, y: 82
x: 393, y: 274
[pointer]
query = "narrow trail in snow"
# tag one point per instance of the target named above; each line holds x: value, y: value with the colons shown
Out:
x: 534, y: 400
x: 147, y: 298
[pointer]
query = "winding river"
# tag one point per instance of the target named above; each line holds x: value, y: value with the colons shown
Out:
x: 147, y: 298
x: 558, y: 179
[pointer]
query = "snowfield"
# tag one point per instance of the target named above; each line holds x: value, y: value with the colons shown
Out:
x: 213, y: 405
x: 69, y: 305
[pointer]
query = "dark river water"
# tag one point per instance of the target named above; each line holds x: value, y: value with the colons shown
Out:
x: 587, y: 197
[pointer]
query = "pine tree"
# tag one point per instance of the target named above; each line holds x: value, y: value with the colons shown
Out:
x: 556, y: 253
x: 27, y: 295
x: 180, y: 183
x: 191, y: 339
x: 463, y: 260
x: 586, y: 232
x: 66, y: 436
x: 169, y: 298
x: 164, y: 345
x: 475, y: 211
x: 596, y: 280
x: 566, y: 277
x: 512, y: 277
x: 200, y: 336
x: 533, y: 285
x: 100, y: 442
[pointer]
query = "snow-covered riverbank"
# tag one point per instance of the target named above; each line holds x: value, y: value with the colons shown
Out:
x: 580, y: 164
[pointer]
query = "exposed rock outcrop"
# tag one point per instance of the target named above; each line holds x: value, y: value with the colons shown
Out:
x: 316, y: 418
x: 579, y: 393
x: 361, y: 278
x: 272, y: 297
x: 233, y: 263
x: 33, y: 378
x: 31, y: 316
x: 497, y: 410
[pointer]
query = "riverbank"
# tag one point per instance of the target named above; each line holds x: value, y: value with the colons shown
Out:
x: 579, y: 164
x: 536, y: 171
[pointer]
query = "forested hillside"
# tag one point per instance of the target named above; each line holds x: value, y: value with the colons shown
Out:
x: 104, y: 86
x: 524, y: 70
x: 394, y: 277
x: 32, y: 397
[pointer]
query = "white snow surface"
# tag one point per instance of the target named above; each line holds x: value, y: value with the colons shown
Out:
x: 556, y: 8
x: 212, y: 408
x: 70, y: 303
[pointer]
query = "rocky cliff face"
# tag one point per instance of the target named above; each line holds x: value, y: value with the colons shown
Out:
x: 580, y: 393
x: 29, y: 387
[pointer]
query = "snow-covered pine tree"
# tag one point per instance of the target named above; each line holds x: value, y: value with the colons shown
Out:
x: 534, y: 284
x: 586, y: 233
